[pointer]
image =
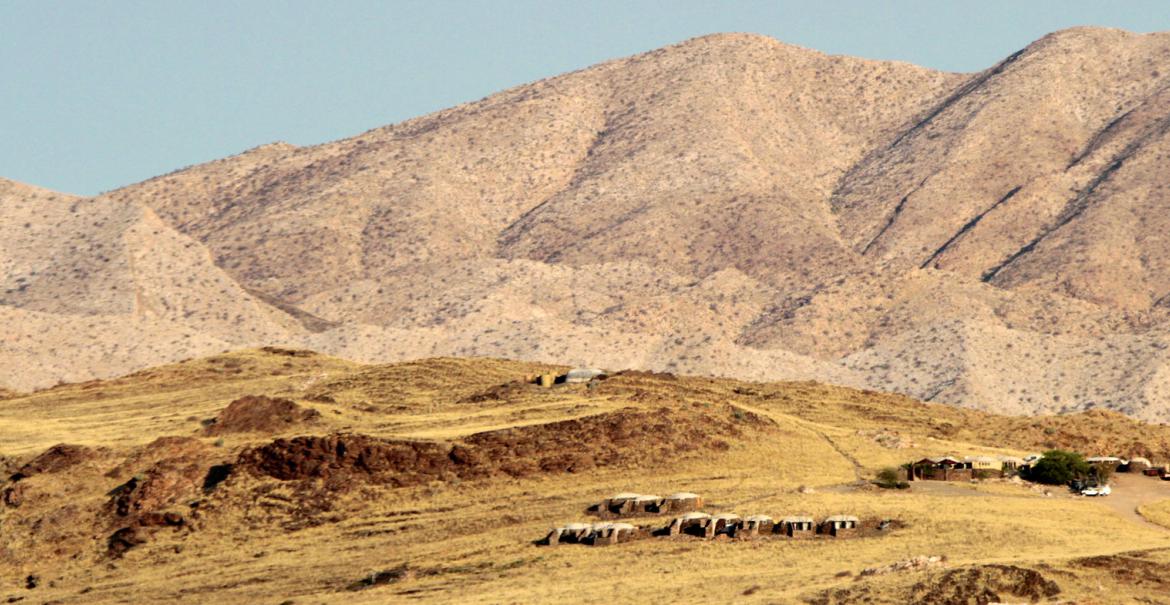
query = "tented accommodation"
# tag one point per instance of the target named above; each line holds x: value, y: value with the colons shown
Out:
x: 840, y: 526
x: 572, y: 533
x: 1138, y: 465
x: 797, y: 527
x: 693, y: 523
x: 577, y: 375
x: 683, y: 502
x: 724, y: 523
x: 754, y: 525
x: 611, y: 533
x: 647, y: 503
x: 624, y: 503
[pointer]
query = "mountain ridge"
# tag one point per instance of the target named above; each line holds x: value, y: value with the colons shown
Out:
x: 729, y: 205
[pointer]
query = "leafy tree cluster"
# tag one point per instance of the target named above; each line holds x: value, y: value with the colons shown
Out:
x: 1059, y: 467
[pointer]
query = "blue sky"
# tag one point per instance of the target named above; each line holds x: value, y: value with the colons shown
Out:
x: 95, y: 95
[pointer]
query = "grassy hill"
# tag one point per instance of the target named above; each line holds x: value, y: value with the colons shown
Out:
x: 430, y: 480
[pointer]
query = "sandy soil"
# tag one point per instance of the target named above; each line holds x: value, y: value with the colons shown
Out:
x: 1132, y: 491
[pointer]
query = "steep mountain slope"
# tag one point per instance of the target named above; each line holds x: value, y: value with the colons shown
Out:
x: 728, y: 205
x: 92, y: 286
x: 714, y: 147
x: 1038, y: 171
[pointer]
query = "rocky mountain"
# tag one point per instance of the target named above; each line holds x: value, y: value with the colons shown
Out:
x: 730, y: 205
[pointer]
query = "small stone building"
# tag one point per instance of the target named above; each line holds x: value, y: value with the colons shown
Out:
x: 630, y: 503
x: 939, y: 468
x: 625, y: 503
x: 612, y: 533
x: 693, y: 523
x: 682, y: 502
x: 984, y: 467
x: 724, y: 523
x: 569, y: 533
x: 649, y: 504
x: 797, y: 527
x: 840, y: 526
x: 754, y: 525
x: 1011, y: 464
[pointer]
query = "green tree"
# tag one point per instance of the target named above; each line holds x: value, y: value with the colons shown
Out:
x: 1059, y: 467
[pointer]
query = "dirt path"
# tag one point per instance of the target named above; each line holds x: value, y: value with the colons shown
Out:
x: 858, y: 469
x: 1131, y: 491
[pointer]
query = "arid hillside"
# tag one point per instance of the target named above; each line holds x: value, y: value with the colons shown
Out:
x: 280, y: 475
x: 730, y: 205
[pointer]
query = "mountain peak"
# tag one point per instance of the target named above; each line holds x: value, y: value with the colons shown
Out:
x: 728, y: 205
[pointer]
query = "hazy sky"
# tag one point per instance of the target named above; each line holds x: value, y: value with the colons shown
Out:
x: 95, y: 95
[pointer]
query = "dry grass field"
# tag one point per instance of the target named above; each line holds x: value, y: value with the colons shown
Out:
x: 1157, y: 512
x: 357, y: 511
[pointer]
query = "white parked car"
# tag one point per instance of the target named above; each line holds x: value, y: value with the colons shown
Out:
x: 1097, y: 491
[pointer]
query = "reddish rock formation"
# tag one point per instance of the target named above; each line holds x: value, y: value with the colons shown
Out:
x: 260, y: 414
x: 624, y: 437
x: 58, y: 458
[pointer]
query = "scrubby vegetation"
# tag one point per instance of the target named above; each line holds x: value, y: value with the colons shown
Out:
x: 890, y: 478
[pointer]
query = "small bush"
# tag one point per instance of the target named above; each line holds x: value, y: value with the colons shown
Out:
x: 888, y: 478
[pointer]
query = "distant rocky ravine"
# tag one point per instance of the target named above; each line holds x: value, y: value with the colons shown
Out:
x: 730, y: 205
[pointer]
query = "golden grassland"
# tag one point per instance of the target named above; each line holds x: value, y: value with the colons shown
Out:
x: 471, y: 541
x: 1157, y: 512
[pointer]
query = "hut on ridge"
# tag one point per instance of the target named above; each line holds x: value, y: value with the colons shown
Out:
x: 582, y: 375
